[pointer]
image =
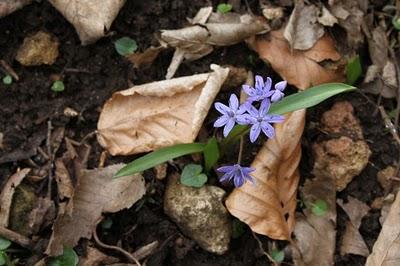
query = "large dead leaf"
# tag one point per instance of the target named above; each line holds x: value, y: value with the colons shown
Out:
x: 386, y: 250
x: 96, y: 192
x: 158, y: 114
x: 9, y: 6
x: 90, y: 19
x: 316, y: 235
x: 303, y: 29
x: 268, y: 207
x: 7, y: 193
x: 301, y: 68
x: 208, y: 30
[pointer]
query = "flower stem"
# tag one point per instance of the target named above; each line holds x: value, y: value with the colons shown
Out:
x: 239, y: 160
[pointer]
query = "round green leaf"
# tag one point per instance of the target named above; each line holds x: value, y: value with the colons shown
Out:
x: 224, y: 8
x: 7, y: 80
x: 319, y: 207
x: 396, y: 23
x: 4, y: 243
x: 3, y: 258
x: 107, y: 223
x: 191, y: 176
x: 68, y: 258
x: 277, y: 255
x: 125, y: 46
x: 58, y: 86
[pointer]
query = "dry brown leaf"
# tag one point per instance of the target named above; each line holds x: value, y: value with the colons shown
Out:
x: 301, y: 68
x: 7, y: 193
x: 316, y: 235
x: 96, y: 192
x: 355, y: 209
x: 268, y: 207
x: 303, y: 30
x: 145, y: 58
x: 353, y: 242
x: 9, y: 6
x: 209, y: 30
x: 42, y: 215
x: 94, y: 257
x: 326, y: 18
x: 63, y: 179
x: 89, y: 18
x: 386, y: 250
x: 158, y: 114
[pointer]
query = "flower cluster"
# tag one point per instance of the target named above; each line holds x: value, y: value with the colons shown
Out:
x: 248, y: 114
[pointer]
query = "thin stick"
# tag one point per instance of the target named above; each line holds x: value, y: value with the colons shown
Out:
x: 393, y: 55
x: 49, y: 152
x: 9, y: 69
x: 126, y: 253
x: 260, y: 245
x: 21, y: 240
x: 388, y: 123
x: 239, y: 160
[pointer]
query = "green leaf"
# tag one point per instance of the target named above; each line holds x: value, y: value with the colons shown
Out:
x: 4, y: 243
x: 224, y: 8
x: 319, y: 207
x: 211, y: 153
x: 353, y: 70
x: 58, y: 86
x: 160, y: 156
x: 125, y: 46
x: 309, y: 97
x: 3, y: 258
x: 7, y: 80
x: 106, y: 223
x: 192, y: 177
x: 396, y: 22
x: 277, y: 255
x: 238, y: 228
x: 68, y: 258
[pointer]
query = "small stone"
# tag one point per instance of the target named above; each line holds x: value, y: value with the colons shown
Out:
x: 199, y: 213
x: 70, y: 112
x: 340, y: 159
x: 385, y: 177
x: 161, y: 171
x: 40, y: 48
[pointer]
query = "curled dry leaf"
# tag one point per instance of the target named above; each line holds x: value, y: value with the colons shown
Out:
x: 158, y: 114
x: 6, y: 196
x: 303, y: 29
x: 208, y: 30
x: 89, y: 18
x: 316, y: 235
x: 268, y: 207
x: 386, y: 250
x: 9, y: 6
x: 352, y: 241
x: 145, y: 58
x: 301, y: 68
x: 96, y: 192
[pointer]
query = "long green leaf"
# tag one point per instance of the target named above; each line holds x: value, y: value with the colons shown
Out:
x: 160, y: 156
x: 211, y: 153
x: 309, y: 97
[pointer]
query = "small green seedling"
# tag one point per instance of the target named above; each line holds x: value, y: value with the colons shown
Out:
x: 4, y: 245
x: 58, y: 86
x: 224, y: 8
x: 277, y: 255
x: 68, y: 258
x: 7, y: 80
x: 192, y: 176
x: 319, y: 207
x: 353, y: 70
x: 125, y: 46
x: 396, y: 23
x: 106, y: 223
x: 211, y: 154
x: 238, y: 228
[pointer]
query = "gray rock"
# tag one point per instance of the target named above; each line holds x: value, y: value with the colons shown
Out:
x: 200, y: 214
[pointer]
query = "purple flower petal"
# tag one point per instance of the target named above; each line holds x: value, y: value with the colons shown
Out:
x: 281, y: 85
x: 251, y: 110
x: 248, y: 90
x: 221, y: 121
x: 228, y: 127
x: 244, y: 119
x: 242, y: 109
x: 233, y: 102
x: 277, y: 96
x: 238, y: 180
x: 255, y: 131
x: 268, y: 84
x: 225, y: 169
x: 222, y: 108
x: 275, y: 118
x: 264, y: 107
x: 259, y: 82
x: 268, y: 130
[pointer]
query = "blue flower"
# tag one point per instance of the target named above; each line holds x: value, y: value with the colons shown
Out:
x: 236, y: 172
x: 261, y: 90
x: 277, y: 94
x: 261, y: 120
x: 230, y: 114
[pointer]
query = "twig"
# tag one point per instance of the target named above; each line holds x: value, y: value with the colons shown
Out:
x: 393, y: 55
x: 9, y: 69
x: 49, y: 152
x: 260, y: 245
x: 126, y: 253
x: 21, y: 240
x: 239, y: 160
x: 388, y: 123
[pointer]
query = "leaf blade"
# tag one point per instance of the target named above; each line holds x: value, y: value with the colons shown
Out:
x: 211, y: 154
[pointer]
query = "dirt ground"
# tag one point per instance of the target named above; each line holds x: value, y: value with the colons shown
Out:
x: 92, y: 73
